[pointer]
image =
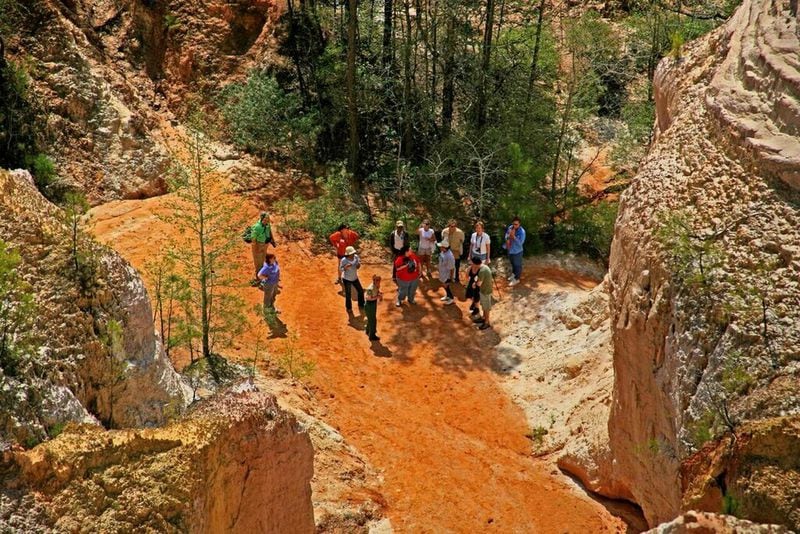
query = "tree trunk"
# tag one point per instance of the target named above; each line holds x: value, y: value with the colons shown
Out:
x: 485, y: 64
x: 448, y: 71
x: 352, y: 103
x: 407, y: 79
x: 388, y: 34
x: 536, y: 48
x: 562, y: 133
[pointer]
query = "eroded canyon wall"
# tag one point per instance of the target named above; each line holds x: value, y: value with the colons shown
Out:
x: 95, y: 357
x: 705, y: 265
x: 237, y: 463
x: 112, y: 75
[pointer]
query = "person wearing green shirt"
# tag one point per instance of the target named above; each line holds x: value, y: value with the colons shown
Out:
x: 483, y: 282
x: 261, y: 234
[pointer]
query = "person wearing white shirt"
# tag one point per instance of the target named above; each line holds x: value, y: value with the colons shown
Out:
x: 480, y: 244
x: 427, y: 240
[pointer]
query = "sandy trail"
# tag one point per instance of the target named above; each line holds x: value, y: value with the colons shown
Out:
x: 423, y: 404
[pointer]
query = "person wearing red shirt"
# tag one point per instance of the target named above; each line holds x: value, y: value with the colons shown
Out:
x: 341, y: 239
x: 407, y: 267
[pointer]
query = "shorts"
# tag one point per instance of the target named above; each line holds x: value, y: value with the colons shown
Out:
x: 486, y: 302
x: 425, y: 251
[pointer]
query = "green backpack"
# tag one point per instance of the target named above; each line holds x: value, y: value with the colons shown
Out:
x: 247, y: 235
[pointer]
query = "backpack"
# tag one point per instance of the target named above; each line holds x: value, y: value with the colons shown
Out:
x: 247, y: 235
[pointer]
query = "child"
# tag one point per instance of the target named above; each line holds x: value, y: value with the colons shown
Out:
x: 373, y: 296
x: 447, y: 267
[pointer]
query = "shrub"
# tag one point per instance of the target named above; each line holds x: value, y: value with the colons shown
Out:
x: 335, y: 206
x: 293, y: 361
x: 17, y: 311
x: 676, y: 45
x: 20, y: 117
x: 588, y: 230
x: 265, y: 120
x: 46, y: 178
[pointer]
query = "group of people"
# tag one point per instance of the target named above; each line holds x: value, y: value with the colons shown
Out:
x: 408, y: 266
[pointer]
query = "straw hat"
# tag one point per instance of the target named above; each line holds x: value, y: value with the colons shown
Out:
x: 349, y: 250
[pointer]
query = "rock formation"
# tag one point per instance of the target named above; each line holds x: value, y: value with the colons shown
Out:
x: 111, y: 74
x: 97, y: 358
x: 704, y: 271
x: 237, y: 463
x: 708, y: 523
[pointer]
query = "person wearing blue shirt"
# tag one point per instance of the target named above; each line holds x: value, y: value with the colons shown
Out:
x: 269, y: 277
x: 514, y: 241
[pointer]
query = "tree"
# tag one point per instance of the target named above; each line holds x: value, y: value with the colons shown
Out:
x: 352, y: 102
x: 388, y: 35
x: 172, y: 293
x: 486, y: 62
x: 207, y: 221
x: 536, y: 48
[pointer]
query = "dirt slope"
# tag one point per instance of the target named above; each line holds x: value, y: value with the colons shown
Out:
x: 423, y: 405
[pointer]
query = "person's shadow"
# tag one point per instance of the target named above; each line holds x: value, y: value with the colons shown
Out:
x: 355, y: 321
x: 380, y: 350
x: 277, y: 328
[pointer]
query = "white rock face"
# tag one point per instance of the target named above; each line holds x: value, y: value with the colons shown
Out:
x: 77, y: 372
x: 726, y: 149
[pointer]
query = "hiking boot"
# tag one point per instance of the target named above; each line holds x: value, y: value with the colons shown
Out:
x: 478, y: 320
x: 474, y: 311
x: 444, y: 298
x: 513, y: 282
x: 484, y: 326
x: 510, y: 277
x: 448, y: 301
x: 397, y: 303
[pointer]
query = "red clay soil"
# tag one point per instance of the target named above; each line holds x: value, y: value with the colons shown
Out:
x: 423, y: 404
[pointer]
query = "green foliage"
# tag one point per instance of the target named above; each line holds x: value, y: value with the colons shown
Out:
x: 588, y: 230
x: 171, y: 22
x: 638, y: 115
x: 172, y: 294
x: 17, y: 313
x: 20, y: 117
x: 291, y: 213
x: 335, y: 206
x: 731, y: 505
x: 264, y: 119
x: 676, y: 45
x: 693, y: 259
x: 702, y: 431
x: 55, y: 430
x: 9, y: 16
x: 85, y: 262
x: 537, y: 435
x: 293, y: 362
x: 208, y: 221
x: 46, y: 177
x: 736, y: 379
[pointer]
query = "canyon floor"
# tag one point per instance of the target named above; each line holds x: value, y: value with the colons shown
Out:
x: 425, y: 405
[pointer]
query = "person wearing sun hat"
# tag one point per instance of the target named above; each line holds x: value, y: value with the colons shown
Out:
x: 398, y: 244
x: 348, y: 272
x: 447, y: 267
